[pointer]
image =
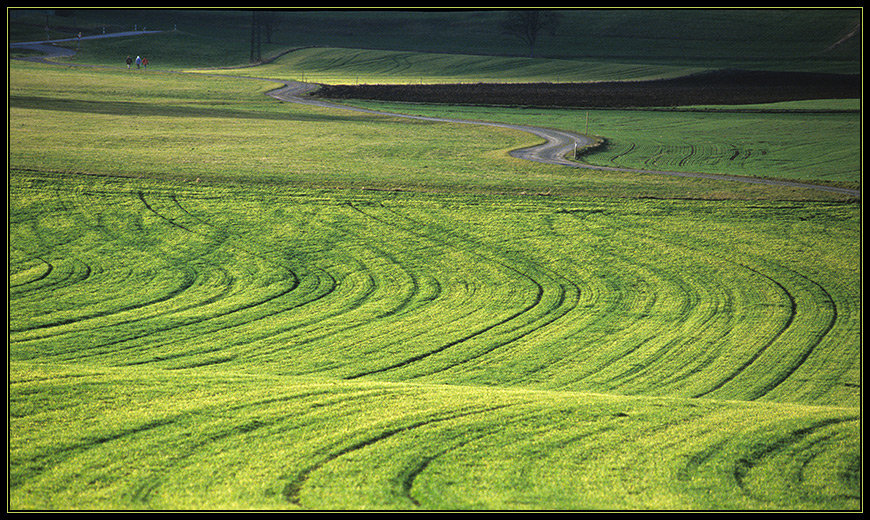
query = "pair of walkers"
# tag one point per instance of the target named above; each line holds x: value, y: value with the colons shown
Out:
x: 140, y: 62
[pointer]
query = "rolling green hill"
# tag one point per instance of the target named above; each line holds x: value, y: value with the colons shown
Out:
x: 218, y: 301
x: 189, y: 346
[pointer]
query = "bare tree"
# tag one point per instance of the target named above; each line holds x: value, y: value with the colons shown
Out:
x: 527, y: 25
x: 270, y: 22
x: 262, y: 22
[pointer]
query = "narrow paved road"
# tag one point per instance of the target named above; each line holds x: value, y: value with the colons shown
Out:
x: 556, y: 147
x: 557, y: 143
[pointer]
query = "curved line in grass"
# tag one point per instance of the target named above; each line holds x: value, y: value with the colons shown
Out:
x: 551, y: 313
x: 358, y: 300
x: 293, y: 488
x: 745, y: 464
x: 190, y: 279
x: 22, y: 287
x: 65, y: 273
x: 294, y: 284
x: 472, y: 248
x: 809, y: 349
x: 793, y: 305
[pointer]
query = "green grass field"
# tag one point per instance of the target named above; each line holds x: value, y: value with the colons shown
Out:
x: 377, y: 350
x: 804, y: 141
x: 152, y: 124
x: 218, y: 301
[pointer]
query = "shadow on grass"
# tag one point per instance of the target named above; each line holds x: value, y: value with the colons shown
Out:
x: 133, y: 108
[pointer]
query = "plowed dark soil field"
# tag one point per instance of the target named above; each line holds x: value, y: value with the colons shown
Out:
x: 725, y: 87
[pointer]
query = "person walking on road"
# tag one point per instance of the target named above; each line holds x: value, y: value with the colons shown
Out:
x: 129, y: 61
x: 144, y: 63
x: 138, y: 61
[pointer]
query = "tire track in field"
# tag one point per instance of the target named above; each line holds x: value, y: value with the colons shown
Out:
x: 71, y: 270
x: 806, y: 347
x: 331, y: 282
x: 337, y: 320
x: 757, y: 352
x: 451, y: 438
x: 293, y: 488
x: 805, y: 351
x: 409, y: 478
x: 688, y: 156
x: 558, y: 144
x: 536, y: 299
x: 186, y: 281
x: 64, y: 274
x: 181, y: 263
x: 21, y: 283
x: 697, y: 317
x: 795, y: 455
x: 566, y: 297
x: 194, y: 276
x: 785, y: 442
x: 651, y: 283
x: 175, y: 327
x: 327, y: 288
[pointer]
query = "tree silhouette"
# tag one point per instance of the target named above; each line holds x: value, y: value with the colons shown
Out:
x: 527, y: 25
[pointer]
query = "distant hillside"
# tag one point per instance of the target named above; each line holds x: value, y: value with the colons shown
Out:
x: 826, y: 40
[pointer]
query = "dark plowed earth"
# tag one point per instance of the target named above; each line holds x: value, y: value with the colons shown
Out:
x: 725, y: 87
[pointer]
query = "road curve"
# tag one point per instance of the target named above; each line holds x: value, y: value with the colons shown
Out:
x: 555, y: 149
x: 50, y: 50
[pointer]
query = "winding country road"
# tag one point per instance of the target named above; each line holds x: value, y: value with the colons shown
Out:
x: 557, y: 143
x: 554, y: 150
